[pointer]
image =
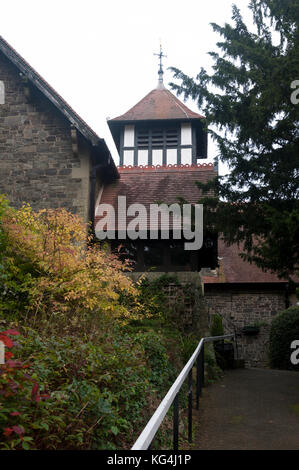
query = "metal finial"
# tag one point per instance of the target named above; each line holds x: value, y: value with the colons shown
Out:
x: 160, y: 71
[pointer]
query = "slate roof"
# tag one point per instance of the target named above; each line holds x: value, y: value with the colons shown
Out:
x: 160, y: 103
x: 156, y: 185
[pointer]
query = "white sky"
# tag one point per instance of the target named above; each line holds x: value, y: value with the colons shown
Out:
x: 99, y: 54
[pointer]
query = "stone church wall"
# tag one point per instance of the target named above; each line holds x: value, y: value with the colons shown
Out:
x: 37, y: 162
x: 239, y: 308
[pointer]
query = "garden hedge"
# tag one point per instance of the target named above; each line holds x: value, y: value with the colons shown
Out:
x: 284, y: 330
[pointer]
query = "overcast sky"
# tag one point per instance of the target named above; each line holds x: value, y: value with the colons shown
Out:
x: 99, y: 54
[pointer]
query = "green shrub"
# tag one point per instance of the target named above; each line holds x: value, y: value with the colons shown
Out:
x: 217, y: 326
x: 189, y: 344
x: 162, y: 372
x: 212, y: 369
x: 152, y: 295
x: 284, y: 330
x: 74, y: 394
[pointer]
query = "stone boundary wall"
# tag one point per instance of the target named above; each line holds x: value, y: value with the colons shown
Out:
x: 241, y: 308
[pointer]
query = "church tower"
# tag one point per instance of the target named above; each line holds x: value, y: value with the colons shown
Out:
x: 159, y: 130
x: 162, y: 148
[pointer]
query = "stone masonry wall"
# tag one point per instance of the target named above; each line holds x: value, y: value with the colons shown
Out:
x: 37, y: 163
x: 184, y: 298
x: 243, y: 308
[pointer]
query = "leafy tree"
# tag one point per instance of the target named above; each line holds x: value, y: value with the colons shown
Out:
x: 251, y: 105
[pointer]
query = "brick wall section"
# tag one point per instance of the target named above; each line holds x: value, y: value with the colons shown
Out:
x: 37, y: 164
x: 244, y: 308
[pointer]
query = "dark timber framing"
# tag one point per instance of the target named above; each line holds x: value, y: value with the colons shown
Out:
x: 142, y: 251
x: 148, y: 144
x: 121, y: 150
x: 179, y: 146
x: 194, y: 146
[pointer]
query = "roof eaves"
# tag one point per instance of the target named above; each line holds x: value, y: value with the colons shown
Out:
x: 48, y: 91
x: 114, y: 122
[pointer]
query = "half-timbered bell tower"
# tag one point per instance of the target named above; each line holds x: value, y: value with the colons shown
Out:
x: 161, y: 144
x: 159, y: 130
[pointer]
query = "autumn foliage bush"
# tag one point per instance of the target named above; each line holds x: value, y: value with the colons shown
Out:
x: 49, y: 270
x: 76, y: 376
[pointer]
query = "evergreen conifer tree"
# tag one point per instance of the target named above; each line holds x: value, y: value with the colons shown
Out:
x: 251, y: 103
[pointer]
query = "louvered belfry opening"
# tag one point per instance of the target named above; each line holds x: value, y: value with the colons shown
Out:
x: 157, y: 144
x: 158, y: 138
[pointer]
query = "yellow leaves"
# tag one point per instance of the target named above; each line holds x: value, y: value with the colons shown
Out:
x: 70, y: 278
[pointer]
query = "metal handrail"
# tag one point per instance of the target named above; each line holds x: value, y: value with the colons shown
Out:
x: 147, y: 435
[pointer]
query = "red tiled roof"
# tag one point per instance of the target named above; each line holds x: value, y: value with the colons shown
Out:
x: 156, y: 185
x: 146, y: 185
x: 158, y: 104
x: 233, y: 269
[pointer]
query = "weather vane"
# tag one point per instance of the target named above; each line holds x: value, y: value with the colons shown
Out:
x: 160, y: 72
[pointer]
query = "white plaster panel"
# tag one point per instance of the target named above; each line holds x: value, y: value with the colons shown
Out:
x: 186, y: 134
x: 129, y: 136
x: 157, y: 157
x: 171, y: 156
x: 186, y: 156
x: 128, y: 157
x: 143, y: 157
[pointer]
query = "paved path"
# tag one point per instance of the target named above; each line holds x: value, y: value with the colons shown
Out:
x: 250, y: 409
